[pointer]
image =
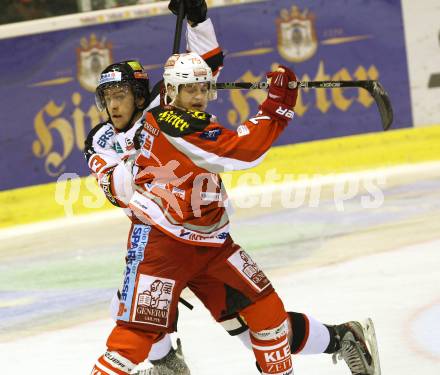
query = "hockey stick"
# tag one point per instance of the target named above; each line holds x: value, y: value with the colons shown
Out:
x: 178, y: 30
x: 375, y: 89
x: 176, y: 47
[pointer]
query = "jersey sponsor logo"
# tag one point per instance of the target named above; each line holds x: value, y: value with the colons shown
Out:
x: 148, y: 141
x: 277, y: 355
x: 278, y: 361
x: 151, y: 129
x: 174, y: 119
x: 178, y: 123
x: 243, y: 130
x: 211, y: 135
x: 153, y: 300
x: 199, y: 115
x: 129, y: 144
x: 273, y: 334
x: 103, y: 138
x: 105, y: 183
x: 201, y: 237
x: 117, y: 147
x: 135, y: 255
x: 249, y: 270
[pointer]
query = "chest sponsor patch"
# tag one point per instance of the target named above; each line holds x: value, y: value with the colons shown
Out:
x: 249, y: 270
x: 147, y: 146
x: 151, y: 129
x: 153, y: 300
x: 178, y: 123
x: 105, y: 137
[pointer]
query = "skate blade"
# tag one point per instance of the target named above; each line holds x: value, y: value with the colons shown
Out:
x: 371, y: 341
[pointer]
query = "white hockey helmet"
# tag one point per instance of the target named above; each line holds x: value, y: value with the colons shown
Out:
x: 184, y: 68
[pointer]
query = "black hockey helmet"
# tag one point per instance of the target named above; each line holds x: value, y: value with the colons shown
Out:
x: 131, y: 73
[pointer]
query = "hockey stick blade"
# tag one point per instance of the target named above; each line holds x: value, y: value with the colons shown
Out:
x: 383, y: 103
x: 375, y: 89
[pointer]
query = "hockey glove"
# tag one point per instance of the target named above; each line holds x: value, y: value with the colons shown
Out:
x: 280, y: 99
x: 195, y: 10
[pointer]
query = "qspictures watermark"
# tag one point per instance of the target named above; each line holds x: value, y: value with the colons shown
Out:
x: 251, y: 190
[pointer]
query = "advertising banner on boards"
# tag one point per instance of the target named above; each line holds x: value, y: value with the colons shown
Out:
x: 48, y: 79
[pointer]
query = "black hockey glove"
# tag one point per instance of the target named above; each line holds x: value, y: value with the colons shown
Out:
x: 195, y: 10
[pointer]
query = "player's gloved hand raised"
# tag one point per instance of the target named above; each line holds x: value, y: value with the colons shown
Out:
x: 280, y: 99
x: 195, y: 10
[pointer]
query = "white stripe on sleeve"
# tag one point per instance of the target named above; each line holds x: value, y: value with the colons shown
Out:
x: 210, y: 161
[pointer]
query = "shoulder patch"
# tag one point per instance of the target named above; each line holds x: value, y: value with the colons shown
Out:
x: 243, y: 130
x: 211, y: 135
x: 178, y: 123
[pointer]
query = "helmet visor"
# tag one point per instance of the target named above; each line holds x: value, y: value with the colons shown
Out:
x: 107, y: 93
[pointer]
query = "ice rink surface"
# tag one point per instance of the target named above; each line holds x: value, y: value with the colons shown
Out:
x: 56, y: 280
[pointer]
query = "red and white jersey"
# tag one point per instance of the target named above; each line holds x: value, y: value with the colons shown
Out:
x: 106, y: 148
x: 179, y: 188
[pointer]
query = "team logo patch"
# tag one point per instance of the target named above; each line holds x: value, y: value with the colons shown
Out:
x: 244, y: 264
x: 153, y: 300
x: 211, y: 135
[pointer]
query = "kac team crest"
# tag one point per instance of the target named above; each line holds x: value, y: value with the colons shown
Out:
x: 297, y: 40
x: 92, y: 57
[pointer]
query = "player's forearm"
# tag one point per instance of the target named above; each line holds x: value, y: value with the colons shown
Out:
x: 202, y: 40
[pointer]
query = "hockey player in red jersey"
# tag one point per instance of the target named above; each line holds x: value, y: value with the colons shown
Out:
x: 124, y: 93
x: 182, y: 238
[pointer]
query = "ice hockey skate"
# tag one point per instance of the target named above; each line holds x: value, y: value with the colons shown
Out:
x: 172, y: 364
x: 358, y: 347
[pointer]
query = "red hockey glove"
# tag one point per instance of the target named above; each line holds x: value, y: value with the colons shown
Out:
x: 280, y: 99
x: 195, y: 10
